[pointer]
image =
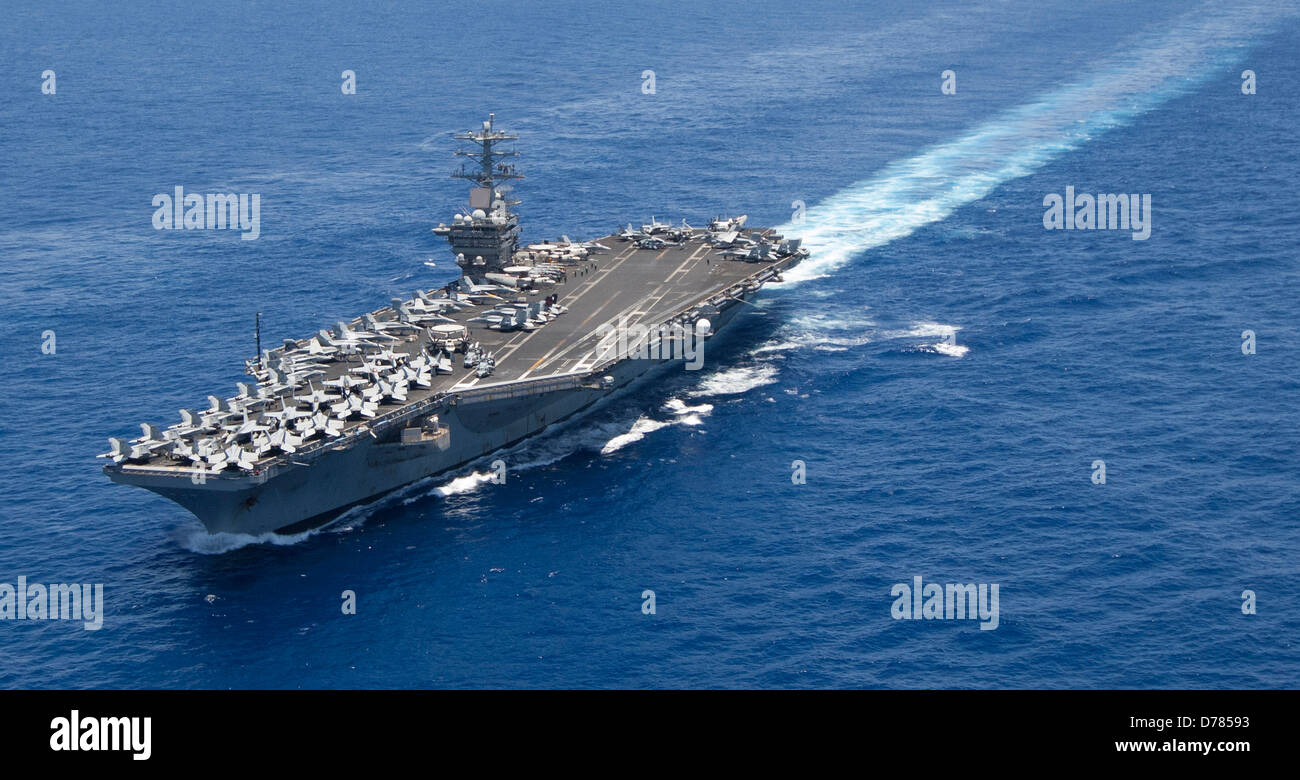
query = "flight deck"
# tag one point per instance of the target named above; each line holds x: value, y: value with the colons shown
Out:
x: 625, y: 285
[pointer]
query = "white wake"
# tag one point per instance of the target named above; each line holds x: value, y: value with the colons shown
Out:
x: 909, y: 194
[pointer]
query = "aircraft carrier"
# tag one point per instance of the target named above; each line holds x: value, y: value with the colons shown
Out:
x: 527, y: 336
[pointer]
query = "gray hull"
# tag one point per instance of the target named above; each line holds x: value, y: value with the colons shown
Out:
x: 301, y: 496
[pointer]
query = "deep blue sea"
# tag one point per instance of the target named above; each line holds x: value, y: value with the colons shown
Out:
x: 947, y: 369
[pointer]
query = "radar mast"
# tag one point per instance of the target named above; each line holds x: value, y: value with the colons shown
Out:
x: 485, y: 237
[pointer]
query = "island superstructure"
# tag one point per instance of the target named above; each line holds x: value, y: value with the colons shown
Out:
x: 527, y: 336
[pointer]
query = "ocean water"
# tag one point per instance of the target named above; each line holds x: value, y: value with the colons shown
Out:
x: 947, y: 369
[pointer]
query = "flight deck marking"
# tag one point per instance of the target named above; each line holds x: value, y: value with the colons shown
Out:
x: 654, y: 299
x: 685, y: 296
x: 559, y: 344
x: 681, y: 268
x: 587, y: 287
x: 631, y: 308
x: 617, y: 264
x: 587, y: 336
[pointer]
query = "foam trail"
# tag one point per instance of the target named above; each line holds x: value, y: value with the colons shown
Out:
x: 197, y: 540
x: 463, y: 484
x: 947, y: 333
x: 909, y: 194
x: 683, y: 414
x: 640, y: 428
x: 687, y: 414
x: 734, y: 381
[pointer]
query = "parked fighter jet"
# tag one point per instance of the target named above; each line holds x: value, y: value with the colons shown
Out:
x: 655, y: 242
x: 420, y: 375
x: 721, y: 225
x: 320, y: 423
x: 344, y: 382
x: 681, y: 234
x: 345, y: 346
x: 286, y: 414
x: 505, y: 318
x: 121, y: 450
x: 247, y: 427
x: 393, y: 390
x: 423, y: 303
x: 383, y: 326
x: 589, y: 246
x: 654, y: 227
x: 345, y: 332
x: 386, y: 355
x: 564, y: 249
x: 631, y: 234
x: 316, y: 397
x: 218, y: 412
x: 313, y: 349
x: 353, y: 404
x: 275, y: 384
x: 182, y: 450
x: 249, y: 398
x: 757, y: 250
x: 238, y: 456
x: 467, y: 287
x: 191, y: 424
x: 284, y: 440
